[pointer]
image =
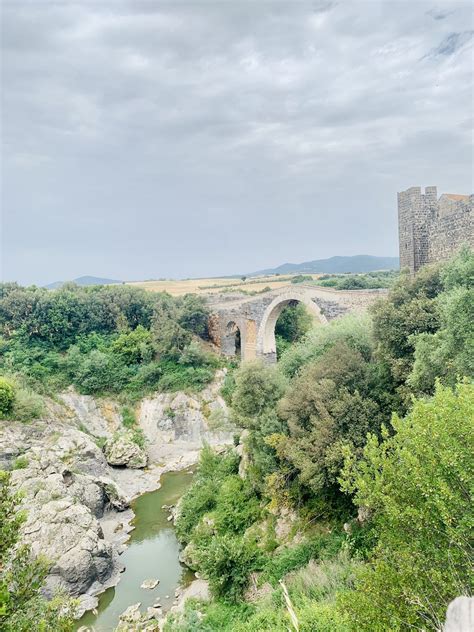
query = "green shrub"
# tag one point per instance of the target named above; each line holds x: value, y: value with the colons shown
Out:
x: 20, y: 463
x: 237, y: 507
x: 208, y: 616
x: 228, y: 387
x: 28, y: 405
x: 227, y: 562
x: 292, y: 558
x: 201, y: 497
x: 7, y: 396
x: 416, y: 483
x: 128, y: 417
x: 355, y: 331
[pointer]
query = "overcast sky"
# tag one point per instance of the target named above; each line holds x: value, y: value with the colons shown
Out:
x: 151, y: 139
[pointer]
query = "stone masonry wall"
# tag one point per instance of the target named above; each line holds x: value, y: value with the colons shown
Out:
x: 432, y: 230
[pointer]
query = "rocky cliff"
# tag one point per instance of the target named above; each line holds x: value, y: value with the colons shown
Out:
x: 77, y: 490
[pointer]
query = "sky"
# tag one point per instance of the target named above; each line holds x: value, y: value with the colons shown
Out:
x: 144, y: 139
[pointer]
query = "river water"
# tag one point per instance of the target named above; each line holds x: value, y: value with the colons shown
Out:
x: 152, y: 553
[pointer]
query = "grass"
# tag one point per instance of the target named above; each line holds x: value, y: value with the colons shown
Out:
x: 216, y: 285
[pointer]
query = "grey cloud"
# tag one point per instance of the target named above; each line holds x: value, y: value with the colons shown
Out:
x: 148, y: 139
x: 452, y: 43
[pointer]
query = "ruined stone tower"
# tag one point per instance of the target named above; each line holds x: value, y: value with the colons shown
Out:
x: 432, y: 229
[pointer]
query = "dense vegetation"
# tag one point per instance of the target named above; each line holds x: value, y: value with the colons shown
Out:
x: 367, y: 281
x: 346, y: 505
x: 367, y: 423
x: 108, y: 339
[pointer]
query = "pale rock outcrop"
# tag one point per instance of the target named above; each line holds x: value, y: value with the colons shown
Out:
x: 64, y: 504
x: 121, y: 449
x: 100, y: 418
x: 176, y: 425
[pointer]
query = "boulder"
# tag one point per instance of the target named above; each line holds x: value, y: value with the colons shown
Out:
x: 121, y: 449
x: 149, y: 584
x: 63, y: 505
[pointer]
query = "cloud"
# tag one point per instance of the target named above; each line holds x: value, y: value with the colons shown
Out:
x: 148, y: 139
x: 452, y: 43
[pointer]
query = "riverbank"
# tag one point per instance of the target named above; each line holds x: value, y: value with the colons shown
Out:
x: 152, y: 553
x: 77, y: 504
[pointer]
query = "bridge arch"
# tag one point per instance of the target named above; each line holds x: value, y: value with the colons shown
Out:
x: 266, y: 343
x: 231, y: 342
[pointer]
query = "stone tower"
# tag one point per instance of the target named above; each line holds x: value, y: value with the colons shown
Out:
x: 432, y: 229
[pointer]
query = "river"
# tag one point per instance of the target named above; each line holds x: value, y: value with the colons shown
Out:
x: 152, y: 553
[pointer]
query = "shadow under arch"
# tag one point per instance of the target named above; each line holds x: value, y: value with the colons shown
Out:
x: 231, y: 340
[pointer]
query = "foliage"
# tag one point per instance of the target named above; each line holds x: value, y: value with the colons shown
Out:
x: 257, y: 389
x: 107, y: 339
x: 226, y: 562
x: 201, y: 497
x: 367, y: 281
x: 7, y: 396
x: 417, y: 483
x: 292, y: 324
x: 21, y: 606
x: 207, y: 616
x: 294, y: 557
x: 408, y: 311
x: 355, y: 331
x: 25, y: 405
x: 301, y: 278
x: 328, y: 406
x: 449, y: 352
x: 237, y: 507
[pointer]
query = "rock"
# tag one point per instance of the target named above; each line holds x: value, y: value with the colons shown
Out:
x: 197, y: 589
x: 121, y: 449
x: 154, y: 613
x: 149, y: 584
x: 132, y: 613
x: 64, y: 506
x: 460, y: 615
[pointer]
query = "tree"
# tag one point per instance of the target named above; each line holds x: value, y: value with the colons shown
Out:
x: 408, y: 311
x: 417, y: 484
x: 257, y: 389
x: 448, y: 353
x: 22, y: 608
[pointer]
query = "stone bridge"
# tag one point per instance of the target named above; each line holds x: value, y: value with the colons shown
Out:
x: 249, y: 321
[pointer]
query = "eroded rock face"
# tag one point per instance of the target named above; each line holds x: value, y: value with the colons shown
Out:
x: 63, y: 503
x: 72, y: 494
x: 176, y: 423
x: 121, y: 449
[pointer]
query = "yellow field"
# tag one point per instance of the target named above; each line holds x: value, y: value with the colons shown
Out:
x: 216, y: 285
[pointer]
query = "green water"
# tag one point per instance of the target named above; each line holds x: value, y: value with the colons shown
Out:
x: 152, y: 554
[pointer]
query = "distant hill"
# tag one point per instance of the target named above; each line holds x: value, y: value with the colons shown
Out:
x: 357, y: 263
x: 83, y: 280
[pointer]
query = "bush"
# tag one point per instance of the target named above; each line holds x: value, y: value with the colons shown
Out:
x: 355, y: 331
x: 7, y: 396
x: 227, y: 562
x: 237, y: 506
x: 28, y: 405
x: 292, y: 558
x: 257, y: 388
x: 201, y: 497
x: 99, y: 372
x: 416, y: 483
